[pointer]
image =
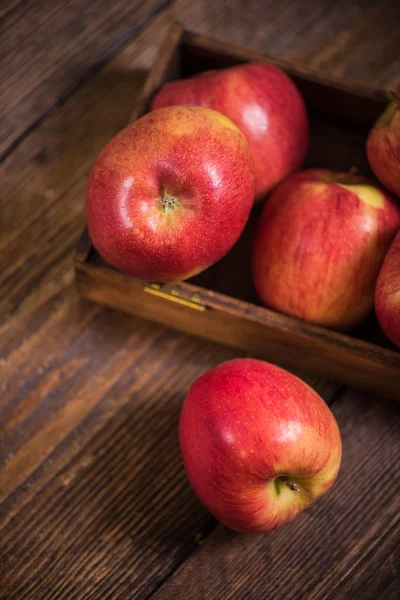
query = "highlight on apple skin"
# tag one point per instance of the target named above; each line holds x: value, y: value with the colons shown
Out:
x: 266, y: 106
x: 170, y: 194
x: 383, y: 147
x: 320, y: 244
x: 258, y: 444
x: 387, y: 293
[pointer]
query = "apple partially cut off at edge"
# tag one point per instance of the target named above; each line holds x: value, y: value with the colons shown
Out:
x: 387, y: 293
x: 170, y: 194
x: 320, y: 244
x: 383, y: 147
x: 258, y: 444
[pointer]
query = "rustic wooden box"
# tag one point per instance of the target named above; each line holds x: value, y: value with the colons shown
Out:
x: 220, y: 304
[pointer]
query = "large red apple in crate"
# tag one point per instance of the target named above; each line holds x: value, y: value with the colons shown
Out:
x: 320, y: 243
x: 170, y: 194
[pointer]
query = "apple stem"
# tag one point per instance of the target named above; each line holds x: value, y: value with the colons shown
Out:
x: 393, y: 97
x: 353, y: 171
x: 348, y: 177
x: 293, y: 486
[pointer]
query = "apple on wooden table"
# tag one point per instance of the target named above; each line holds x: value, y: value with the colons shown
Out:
x: 266, y: 106
x: 383, y: 147
x: 387, y: 293
x: 258, y: 444
x: 170, y: 194
x: 319, y: 246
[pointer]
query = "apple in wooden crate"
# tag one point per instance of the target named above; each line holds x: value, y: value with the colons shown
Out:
x: 383, y: 147
x: 266, y: 106
x: 320, y: 243
x: 387, y: 293
x: 170, y: 194
x: 258, y: 444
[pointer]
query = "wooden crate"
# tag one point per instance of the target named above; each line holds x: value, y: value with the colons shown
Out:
x: 220, y: 304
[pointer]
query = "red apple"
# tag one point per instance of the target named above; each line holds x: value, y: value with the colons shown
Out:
x: 383, y: 147
x: 258, y: 444
x: 387, y: 293
x: 320, y: 243
x: 266, y: 106
x: 170, y: 194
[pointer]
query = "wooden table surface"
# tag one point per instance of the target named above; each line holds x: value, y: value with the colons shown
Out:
x: 95, y: 503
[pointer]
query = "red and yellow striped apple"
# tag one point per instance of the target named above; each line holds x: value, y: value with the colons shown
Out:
x: 383, y: 147
x: 170, y: 194
x: 387, y: 293
x: 266, y: 106
x: 320, y: 243
x: 258, y: 444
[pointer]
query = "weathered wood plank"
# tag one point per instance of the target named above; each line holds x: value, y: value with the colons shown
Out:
x: 9, y: 5
x: 47, y: 49
x: 378, y: 570
x: 357, y: 39
x: 140, y: 370
x: 308, y: 557
x: 101, y: 493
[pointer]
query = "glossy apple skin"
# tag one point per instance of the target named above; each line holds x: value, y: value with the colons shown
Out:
x: 387, y: 293
x: 319, y: 247
x: 383, y: 148
x: 246, y: 423
x: 266, y: 106
x: 170, y: 194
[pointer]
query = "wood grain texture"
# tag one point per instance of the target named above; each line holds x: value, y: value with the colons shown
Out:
x: 378, y: 570
x: 81, y: 36
x: 310, y: 557
x: 96, y: 504
x: 7, y: 6
x: 101, y: 505
x: 112, y: 491
x: 357, y: 39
